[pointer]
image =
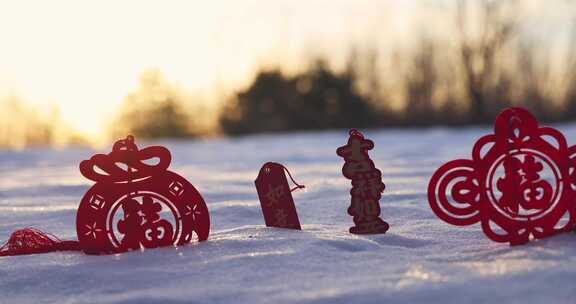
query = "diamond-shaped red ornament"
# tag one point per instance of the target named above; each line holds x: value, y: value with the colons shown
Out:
x: 520, y: 183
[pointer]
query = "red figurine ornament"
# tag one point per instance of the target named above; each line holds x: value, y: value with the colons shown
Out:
x: 133, y: 205
x: 367, y: 186
x: 276, y: 196
x: 520, y: 183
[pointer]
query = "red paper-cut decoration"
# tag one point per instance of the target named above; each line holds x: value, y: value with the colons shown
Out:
x: 520, y: 183
x: 276, y: 196
x: 367, y: 186
x: 135, y: 204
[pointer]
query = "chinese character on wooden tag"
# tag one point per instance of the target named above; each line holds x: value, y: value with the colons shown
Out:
x: 276, y: 196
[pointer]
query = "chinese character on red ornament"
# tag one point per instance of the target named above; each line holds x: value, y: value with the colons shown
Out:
x: 135, y: 205
x: 520, y: 183
x: 276, y: 197
x: 367, y: 186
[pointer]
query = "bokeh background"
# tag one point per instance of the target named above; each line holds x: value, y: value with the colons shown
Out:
x: 86, y: 72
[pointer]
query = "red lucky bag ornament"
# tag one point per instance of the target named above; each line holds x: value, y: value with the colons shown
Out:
x: 520, y: 183
x: 367, y: 186
x: 135, y: 205
x: 276, y: 196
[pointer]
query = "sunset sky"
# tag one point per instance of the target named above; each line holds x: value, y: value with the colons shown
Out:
x: 85, y: 56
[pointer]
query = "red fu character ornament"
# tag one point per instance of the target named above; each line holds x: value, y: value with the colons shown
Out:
x: 367, y: 186
x: 276, y: 196
x: 520, y: 183
x: 133, y: 205
x: 136, y: 205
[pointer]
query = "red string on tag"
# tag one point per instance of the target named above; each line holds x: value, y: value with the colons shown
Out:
x: 298, y: 186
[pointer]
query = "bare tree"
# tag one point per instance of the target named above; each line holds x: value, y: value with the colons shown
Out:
x: 479, y: 52
x: 420, y: 84
x: 570, y: 95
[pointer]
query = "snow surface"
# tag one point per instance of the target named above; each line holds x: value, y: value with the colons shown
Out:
x: 420, y: 259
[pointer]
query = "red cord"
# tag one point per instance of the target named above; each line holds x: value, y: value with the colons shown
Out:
x: 31, y: 241
x: 298, y: 186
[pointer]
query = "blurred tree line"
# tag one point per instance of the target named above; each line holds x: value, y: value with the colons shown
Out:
x: 314, y: 99
x: 22, y: 125
x: 158, y: 109
x: 463, y: 78
x: 467, y: 80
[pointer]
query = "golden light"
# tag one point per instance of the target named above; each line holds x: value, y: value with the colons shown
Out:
x: 86, y: 56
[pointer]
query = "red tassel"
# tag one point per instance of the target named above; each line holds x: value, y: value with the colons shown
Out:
x: 32, y: 241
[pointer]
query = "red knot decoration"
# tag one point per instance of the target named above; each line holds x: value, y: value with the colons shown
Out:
x: 33, y: 241
x: 135, y: 204
x: 520, y: 183
x: 276, y: 196
x: 367, y: 186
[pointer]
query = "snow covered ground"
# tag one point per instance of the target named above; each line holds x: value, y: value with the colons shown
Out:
x: 420, y: 260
